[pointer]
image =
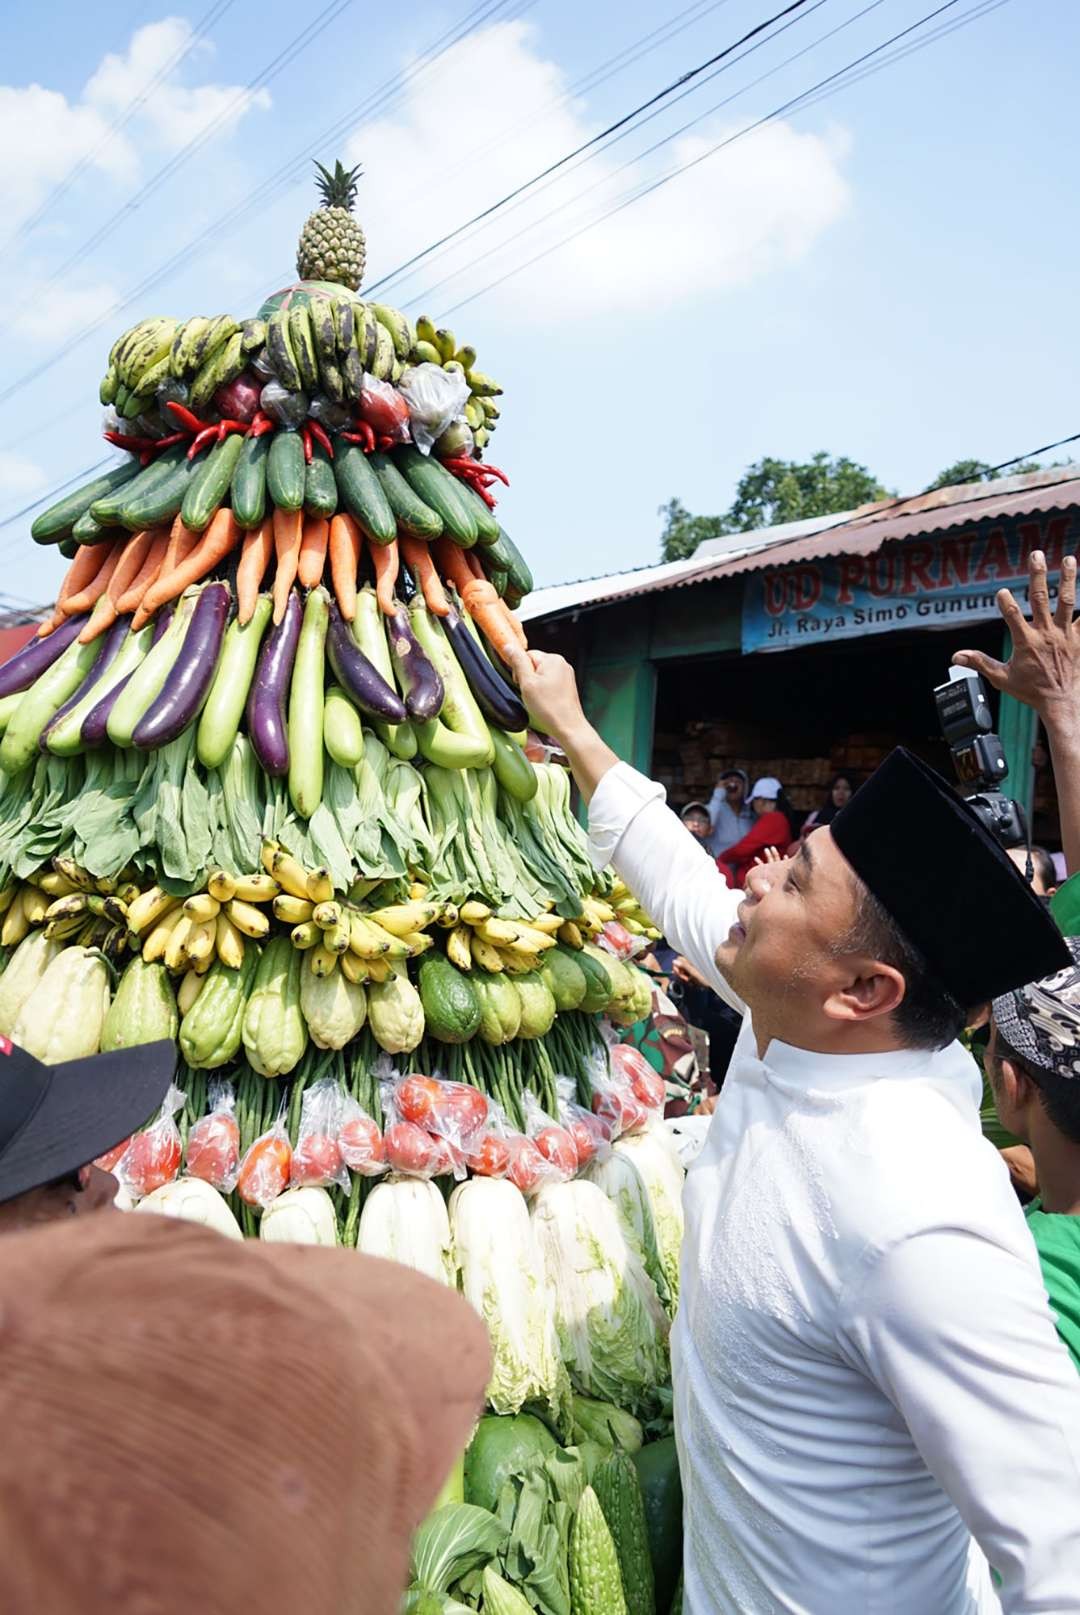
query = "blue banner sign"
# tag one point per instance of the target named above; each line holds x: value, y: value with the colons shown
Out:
x: 921, y: 583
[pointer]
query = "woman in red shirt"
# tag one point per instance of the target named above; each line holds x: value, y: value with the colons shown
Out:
x: 772, y: 828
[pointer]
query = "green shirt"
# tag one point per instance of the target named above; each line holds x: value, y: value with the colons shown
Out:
x: 1057, y: 1240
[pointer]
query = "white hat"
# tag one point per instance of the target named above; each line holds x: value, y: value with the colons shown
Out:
x: 768, y: 788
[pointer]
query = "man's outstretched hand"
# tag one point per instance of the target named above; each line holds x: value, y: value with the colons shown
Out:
x: 549, y: 690
x: 1044, y: 669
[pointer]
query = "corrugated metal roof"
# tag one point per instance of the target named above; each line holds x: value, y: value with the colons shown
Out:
x: 857, y: 532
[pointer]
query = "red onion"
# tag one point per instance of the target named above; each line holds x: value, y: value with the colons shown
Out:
x: 239, y: 399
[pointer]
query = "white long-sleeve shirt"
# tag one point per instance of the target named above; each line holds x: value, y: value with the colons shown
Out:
x: 866, y: 1371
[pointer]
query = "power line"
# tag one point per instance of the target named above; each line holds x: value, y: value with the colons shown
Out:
x: 628, y: 117
x: 639, y: 157
x: 80, y: 476
x: 473, y: 19
x: 123, y: 118
x: 238, y: 102
x: 639, y: 194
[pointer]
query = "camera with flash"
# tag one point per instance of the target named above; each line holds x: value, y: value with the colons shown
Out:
x: 978, y: 756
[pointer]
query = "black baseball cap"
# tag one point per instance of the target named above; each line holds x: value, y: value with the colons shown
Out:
x: 55, y: 1119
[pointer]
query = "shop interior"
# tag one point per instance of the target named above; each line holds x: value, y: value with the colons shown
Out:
x: 805, y: 715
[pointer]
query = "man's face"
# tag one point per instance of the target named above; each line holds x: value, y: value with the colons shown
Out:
x: 698, y: 825
x: 781, y: 952
x: 734, y: 789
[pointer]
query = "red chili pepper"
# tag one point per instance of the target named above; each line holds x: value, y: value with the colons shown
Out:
x: 385, y: 443
x: 167, y: 442
x: 363, y: 435
x: 190, y: 422
x: 228, y: 427
x: 469, y: 469
x: 260, y: 425
x: 208, y: 434
x: 305, y: 433
x: 134, y: 445
x: 145, y: 458
x: 322, y: 437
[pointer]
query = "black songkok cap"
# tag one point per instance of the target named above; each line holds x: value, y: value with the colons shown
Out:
x: 947, y: 882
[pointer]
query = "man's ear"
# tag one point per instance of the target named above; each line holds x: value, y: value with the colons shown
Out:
x: 864, y: 997
x: 1017, y: 1087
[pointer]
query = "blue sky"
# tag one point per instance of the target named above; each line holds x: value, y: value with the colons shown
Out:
x: 889, y: 274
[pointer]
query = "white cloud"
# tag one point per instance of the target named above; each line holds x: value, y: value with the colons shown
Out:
x: 738, y: 215
x: 173, y: 112
x: 62, y: 311
x: 19, y: 477
x: 44, y: 135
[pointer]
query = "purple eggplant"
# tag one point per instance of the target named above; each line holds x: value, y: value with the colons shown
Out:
x: 113, y: 640
x: 358, y: 677
x: 192, y: 673
x: 416, y: 672
x: 266, y: 723
x: 496, y: 700
x: 93, y: 731
x: 27, y: 664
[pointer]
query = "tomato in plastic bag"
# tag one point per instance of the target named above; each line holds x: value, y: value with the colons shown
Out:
x: 362, y: 1147
x: 490, y: 1157
x: 409, y: 1149
x: 527, y: 1169
x: 417, y: 1099
x: 556, y: 1144
x: 621, y: 1109
x: 647, y: 1085
x: 316, y: 1160
x: 264, y: 1172
x: 151, y: 1160
x: 213, y: 1150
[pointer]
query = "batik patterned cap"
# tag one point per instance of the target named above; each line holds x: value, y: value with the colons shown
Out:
x: 1041, y: 1022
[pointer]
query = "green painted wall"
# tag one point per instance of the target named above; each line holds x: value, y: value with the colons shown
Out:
x: 1017, y: 727
x: 620, y: 699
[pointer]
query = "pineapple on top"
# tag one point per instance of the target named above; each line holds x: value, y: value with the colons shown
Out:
x: 332, y: 245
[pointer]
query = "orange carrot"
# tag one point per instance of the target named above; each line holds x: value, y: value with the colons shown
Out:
x: 288, y: 532
x: 453, y: 564
x: 83, y: 570
x: 345, y: 542
x: 316, y: 537
x: 254, y: 560
x: 417, y: 553
x: 86, y: 598
x: 181, y: 543
x: 384, y: 558
x: 131, y: 598
x: 127, y: 568
x: 218, y: 539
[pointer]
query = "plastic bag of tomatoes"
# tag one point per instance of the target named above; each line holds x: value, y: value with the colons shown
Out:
x: 152, y: 1157
x: 554, y: 1141
x: 360, y: 1140
x: 591, y: 1134
x: 265, y: 1168
x: 213, y: 1144
x: 317, y: 1161
x: 412, y: 1108
x: 646, y: 1084
x: 612, y: 1097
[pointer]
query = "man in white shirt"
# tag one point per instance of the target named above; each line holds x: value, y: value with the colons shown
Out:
x: 866, y: 1371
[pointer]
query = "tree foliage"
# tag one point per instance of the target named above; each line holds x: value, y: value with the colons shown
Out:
x: 770, y: 492
x: 977, y: 471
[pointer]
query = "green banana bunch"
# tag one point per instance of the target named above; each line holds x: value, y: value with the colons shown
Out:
x: 280, y: 349
x: 197, y: 340
x: 224, y: 364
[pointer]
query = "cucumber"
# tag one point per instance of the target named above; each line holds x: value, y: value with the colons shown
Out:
x: 161, y: 502
x: 206, y: 491
x: 58, y: 521
x: 432, y: 483
x: 107, y: 508
x: 487, y: 523
x: 285, y: 470
x: 505, y: 555
x: 413, y: 516
x: 362, y: 494
x: 342, y: 730
x: 248, y: 487
x: 68, y: 548
x: 320, y: 489
x: 87, y: 531
x: 511, y: 767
